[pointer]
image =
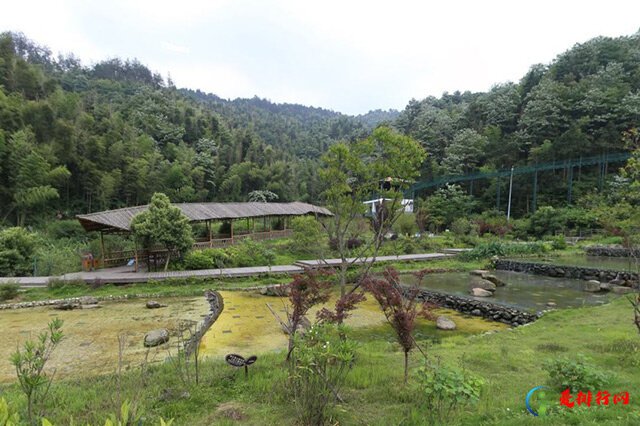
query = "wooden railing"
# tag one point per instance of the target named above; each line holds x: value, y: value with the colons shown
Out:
x: 256, y: 236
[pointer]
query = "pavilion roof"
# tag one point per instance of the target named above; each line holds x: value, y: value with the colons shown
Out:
x: 120, y: 219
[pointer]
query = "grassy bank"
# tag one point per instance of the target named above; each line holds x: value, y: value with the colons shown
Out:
x: 509, y: 361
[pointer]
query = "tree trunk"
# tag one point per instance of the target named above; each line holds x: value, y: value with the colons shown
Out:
x: 166, y: 264
x: 406, y: 366
x: 343, y: 277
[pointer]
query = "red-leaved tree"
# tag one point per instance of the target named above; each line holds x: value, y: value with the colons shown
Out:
x: 401, y: 307
x: 305, y: 291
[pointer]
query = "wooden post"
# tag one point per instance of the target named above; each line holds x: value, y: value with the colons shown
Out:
x: 101, y: 248
x: 210, y: 239
x: 231, y: 222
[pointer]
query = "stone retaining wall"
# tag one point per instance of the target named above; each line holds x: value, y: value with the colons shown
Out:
x: 490, y: 311
x: 628, y: 279
x: 216, y: 305
x: 612, y: 251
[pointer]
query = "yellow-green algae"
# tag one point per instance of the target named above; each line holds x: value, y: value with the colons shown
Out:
x: 246, y: 326
x: 90, y: 344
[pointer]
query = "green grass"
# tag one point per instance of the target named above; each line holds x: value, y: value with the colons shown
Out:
x: 509, y: 361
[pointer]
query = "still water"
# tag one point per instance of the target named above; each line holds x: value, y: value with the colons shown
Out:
x: 530, y: 292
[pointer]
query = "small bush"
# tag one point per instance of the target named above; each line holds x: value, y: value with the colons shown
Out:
x: 250, y: 253
x: 406, y: 225
x: 197, y: 259
x: 499, y: 248
x: 575, y: 374
x: 307, y: 235
x: 320, y: 361
x: 8, y: 291
x: 17, y: 247
x: 66, y: 229
x: 558, y: 242
x: 442, y: 388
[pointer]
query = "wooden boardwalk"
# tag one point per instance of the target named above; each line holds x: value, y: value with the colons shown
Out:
x: 126, y: 275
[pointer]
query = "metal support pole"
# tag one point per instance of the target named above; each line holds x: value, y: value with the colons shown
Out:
x: 510, y: 190
x: 534, y: 200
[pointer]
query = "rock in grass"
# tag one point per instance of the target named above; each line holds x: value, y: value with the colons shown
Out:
x: 479, y: 292
x: 156, y: 337
x: 445, y: 323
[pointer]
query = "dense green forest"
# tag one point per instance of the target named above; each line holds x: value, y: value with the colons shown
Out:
x: 77, y: 138
x: 578, y: 106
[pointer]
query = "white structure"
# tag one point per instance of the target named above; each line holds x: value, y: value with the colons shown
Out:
x: 407, y: 204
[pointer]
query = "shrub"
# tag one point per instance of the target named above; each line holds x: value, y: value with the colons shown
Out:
x: 321, y: 359
x: 575, y: 374
x: 8, y: 291
x: 17, y: 247
x: 405, y: 225
x: 499, y: 248
x: 197, y: 259
x: 66, y: 229
x: 493, y: 224
x: 30, y: 362
x: 558, y: 242
x: 351, y: 243
x: 442, y: 388
x: 307, y: 235
x: 461, y: 226
x: 250, y: 253
x: 209, y: 258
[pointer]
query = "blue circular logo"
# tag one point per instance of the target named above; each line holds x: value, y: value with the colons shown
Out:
x: 539, y: 401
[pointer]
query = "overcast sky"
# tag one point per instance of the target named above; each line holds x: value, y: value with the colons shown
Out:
x: 349, y: 56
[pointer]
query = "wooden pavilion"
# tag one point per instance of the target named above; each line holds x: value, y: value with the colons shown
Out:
x: 119, y: 221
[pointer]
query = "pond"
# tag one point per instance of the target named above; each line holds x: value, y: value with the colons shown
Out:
x: 530, y: 292
x: 246, y: 326
x: 90, y: 343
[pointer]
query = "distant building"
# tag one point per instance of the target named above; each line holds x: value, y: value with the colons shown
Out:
x: 386, y: 185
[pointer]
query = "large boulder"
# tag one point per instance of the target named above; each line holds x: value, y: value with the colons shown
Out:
x: 482, y: 283
x: 152, y: 304
x: 618, y: 289
x: 492, y: 278
x: 445, y: 323
x: 479, y: 272
x: 275, y: 290
x: 156, y: 337
x: 592, y: 286
x: 480, y: 292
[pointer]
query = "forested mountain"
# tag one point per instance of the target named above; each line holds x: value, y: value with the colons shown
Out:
x: 77, y: 139
x: 301, y: 130
x: 577, y: 106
